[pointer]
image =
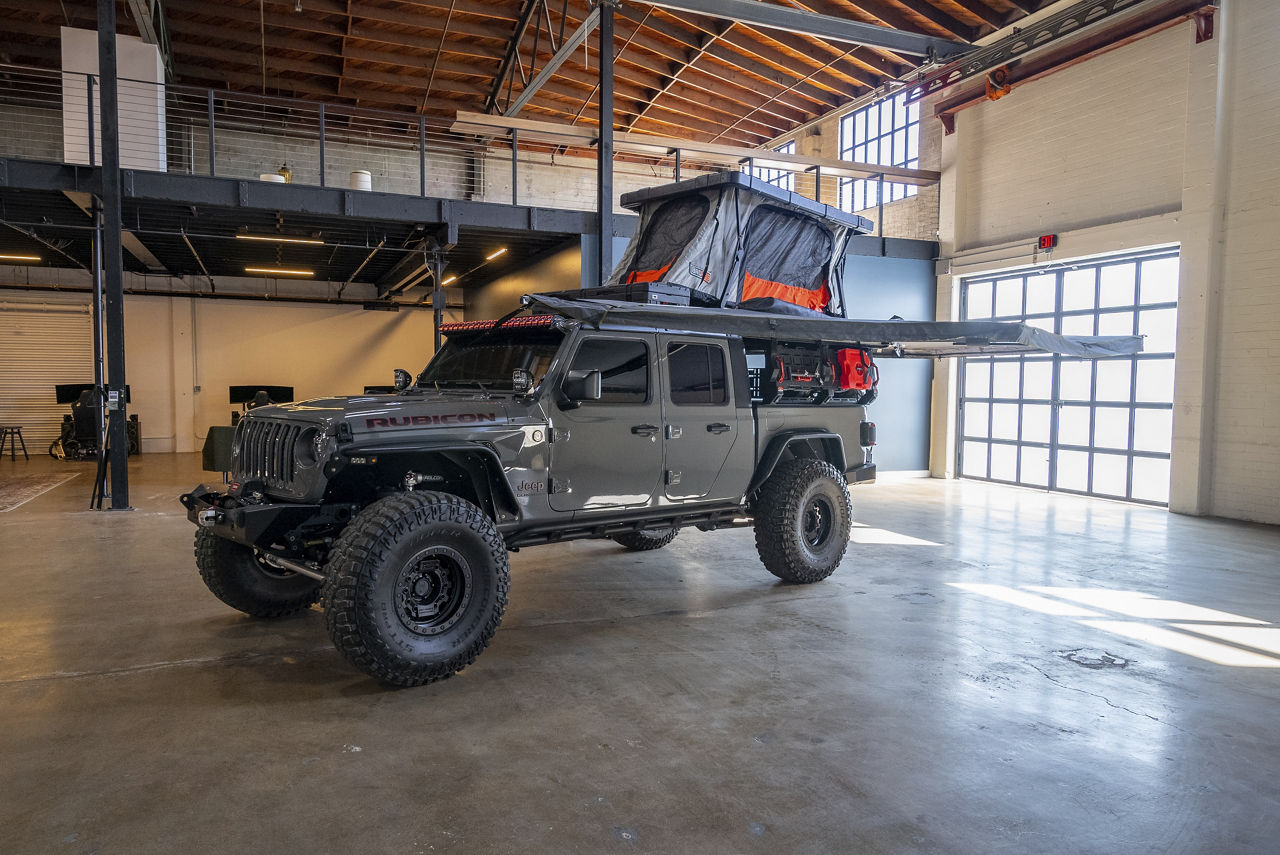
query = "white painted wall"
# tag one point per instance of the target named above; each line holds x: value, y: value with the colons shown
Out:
x: 182, y: 354
x: 1161, y: 142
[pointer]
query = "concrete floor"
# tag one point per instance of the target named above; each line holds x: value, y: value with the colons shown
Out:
x: 678, y: 701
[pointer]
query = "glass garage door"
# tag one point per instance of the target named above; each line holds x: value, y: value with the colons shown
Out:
x: 1096, y: 427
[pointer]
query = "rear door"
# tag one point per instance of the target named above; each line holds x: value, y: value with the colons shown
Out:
x: 608, y: 453
x: 701, y: 427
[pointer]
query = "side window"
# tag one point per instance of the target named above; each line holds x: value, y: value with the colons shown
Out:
x: 697, y: 374
x: 624, y: 368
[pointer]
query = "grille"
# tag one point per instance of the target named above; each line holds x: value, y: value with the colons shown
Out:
x: 266, y: 452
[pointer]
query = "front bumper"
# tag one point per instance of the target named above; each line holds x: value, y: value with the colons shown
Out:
x: 251, y: 525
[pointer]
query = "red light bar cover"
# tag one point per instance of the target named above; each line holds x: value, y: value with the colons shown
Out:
x: 513, y: 323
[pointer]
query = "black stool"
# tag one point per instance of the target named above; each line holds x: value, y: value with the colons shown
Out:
x: 12, y: 434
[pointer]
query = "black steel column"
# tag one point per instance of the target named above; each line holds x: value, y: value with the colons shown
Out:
x: 438, y: 264
x: 604, y: 149
x: 113, y: 256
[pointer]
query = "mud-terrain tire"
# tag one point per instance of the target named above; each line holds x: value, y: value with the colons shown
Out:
x: 642, y: 541
x: 243, y: 581
x: 415, y: 587
x: 802, y: 520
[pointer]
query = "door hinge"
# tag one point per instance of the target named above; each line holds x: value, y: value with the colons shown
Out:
x: 674, y: 431
x: 673, y: 477
x: 558, y: 434
x: 558, y: 485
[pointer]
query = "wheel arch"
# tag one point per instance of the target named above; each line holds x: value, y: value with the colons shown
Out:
x: 815, y: 444
x: 471, y: 471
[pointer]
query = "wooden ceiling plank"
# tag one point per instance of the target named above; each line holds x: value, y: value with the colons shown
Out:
x: 997, y: 19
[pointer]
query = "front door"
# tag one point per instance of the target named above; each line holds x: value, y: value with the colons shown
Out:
x: 701, y: 421
x: 608, y: 453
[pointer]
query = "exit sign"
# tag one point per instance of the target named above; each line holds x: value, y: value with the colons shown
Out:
x: 1048, y: 241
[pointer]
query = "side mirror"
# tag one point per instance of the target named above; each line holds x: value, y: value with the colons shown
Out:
x: 403, y: 379
x: 521, y: 381
x: 582, y: 385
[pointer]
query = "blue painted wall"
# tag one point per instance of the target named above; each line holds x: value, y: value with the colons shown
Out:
x: 878, y: 288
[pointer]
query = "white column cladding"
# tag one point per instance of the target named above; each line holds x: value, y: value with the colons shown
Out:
x: 142, y: 101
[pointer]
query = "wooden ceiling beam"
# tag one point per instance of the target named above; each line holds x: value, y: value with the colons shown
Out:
x: 997, y: 19
x: 933, y: 14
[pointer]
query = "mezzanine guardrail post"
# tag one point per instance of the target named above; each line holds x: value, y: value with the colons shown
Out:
x: 212, y: 168
x: 676, y: 177
x: 322, y: 184
x: 515, y: 166
x: 88, y: 79
x: 880, y: 205
x: 422, y: 155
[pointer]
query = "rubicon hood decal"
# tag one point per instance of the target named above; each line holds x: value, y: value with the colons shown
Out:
x: 434, y: 419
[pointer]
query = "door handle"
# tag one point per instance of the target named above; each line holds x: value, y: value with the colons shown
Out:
x: 719, y: 427
x: 645, y: 430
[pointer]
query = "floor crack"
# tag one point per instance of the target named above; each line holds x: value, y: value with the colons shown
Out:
x: 1102, y: 698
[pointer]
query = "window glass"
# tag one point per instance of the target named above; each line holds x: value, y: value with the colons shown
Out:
x: 1004, y: 462
x: 623, y: 365
x: 1151, y: 479
x: 696, y: 372
x: 777, y: 177
x: 885, y: 134
x: 1160, y: 280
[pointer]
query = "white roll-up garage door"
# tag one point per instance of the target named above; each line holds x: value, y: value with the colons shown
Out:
x: 41, y: 345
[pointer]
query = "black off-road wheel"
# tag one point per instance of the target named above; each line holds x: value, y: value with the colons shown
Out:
x: 642, y: 541
x: 243, y: 580
x: 802, y: 520
x: 415, y: 587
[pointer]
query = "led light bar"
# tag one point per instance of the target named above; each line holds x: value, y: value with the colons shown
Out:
x: 279, y: 271
x: 514, y: 323
x: 494, y: 255
x: 21, y: 258
x: 280, y: 239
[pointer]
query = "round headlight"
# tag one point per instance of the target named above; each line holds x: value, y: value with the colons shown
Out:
x: 311, y: 446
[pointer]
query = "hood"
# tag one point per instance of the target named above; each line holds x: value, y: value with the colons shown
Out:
x: 376, y: 413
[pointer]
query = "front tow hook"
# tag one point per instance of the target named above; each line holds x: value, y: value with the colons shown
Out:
x: 210, y: 517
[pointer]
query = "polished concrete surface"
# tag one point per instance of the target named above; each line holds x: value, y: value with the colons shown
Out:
x: 931, y: 696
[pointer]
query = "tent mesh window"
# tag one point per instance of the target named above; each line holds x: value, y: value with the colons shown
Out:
x: 673, y: 226
x: 786, y: 258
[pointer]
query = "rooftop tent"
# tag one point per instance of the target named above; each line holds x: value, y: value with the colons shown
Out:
x: 730, y: 238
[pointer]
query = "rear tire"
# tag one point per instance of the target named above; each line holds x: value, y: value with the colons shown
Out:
x: 643, y: 541
x: 802, y: 520
x: 242, y: 580
x: 415, y: 587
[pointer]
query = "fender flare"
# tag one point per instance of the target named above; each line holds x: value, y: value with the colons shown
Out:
x: 494, y: 491
x: 832, y: 444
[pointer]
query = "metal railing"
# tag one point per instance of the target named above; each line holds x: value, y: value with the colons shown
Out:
x: 54, y: 115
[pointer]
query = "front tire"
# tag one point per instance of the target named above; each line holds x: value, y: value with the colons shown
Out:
x: 643, y: 541
x: 237, y: 576
x: 802, y: 521
x: 415, y: 587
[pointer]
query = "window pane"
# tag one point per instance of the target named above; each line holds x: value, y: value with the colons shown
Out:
x: 1035, y: 422
x: 1160, y: 328
x: 1004, y: 462
x: 1006, y: 378
x: 1037, y: 379
x: 873, y: 152
x: 696, y: 372
x: 1110, y: 474
x: 1075, y: 381
x: 913, y: 143
x: 1117, y: 284
x: 1113, y: 379
x: 1042, y: 294
x: 913, y: 112
x: 977, y: 379
x: 1035, y: 467
x: 1077, y: 289
x: 1111, y: 427
x: 1115, y: 323
x: 899, y: 146
x: 1153, y: 430
x: 1155, y: 381
x: 973, y: 459
x: 624, y: 368
x: 1160, y: 281
x: 1073, y: 425
x: 872, y: 128
x: 1077, y: 325
x: 1045, y: 324
x: 1009, y: 298
x: 1004, y: 421
x: 1072, y: 471
x: 886, y: 116
x: 975, y: 419
x: 1151, y: 479
x: 978, y: 301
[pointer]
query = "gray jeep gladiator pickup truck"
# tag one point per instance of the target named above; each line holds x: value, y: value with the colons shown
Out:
x: 712, y: 381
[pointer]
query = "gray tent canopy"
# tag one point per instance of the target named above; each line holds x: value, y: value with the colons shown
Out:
x: 731, y: 239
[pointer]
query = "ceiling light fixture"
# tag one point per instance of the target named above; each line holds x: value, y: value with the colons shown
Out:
x: 278, y: 239
x: 495, y: 255
x: 21, y: 257
x: 450, y: 279
x: 279, y: 271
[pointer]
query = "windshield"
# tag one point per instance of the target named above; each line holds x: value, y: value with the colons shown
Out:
x: 482, y: 361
